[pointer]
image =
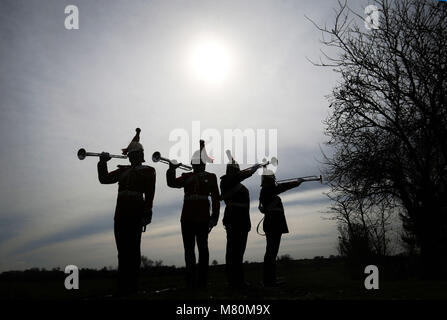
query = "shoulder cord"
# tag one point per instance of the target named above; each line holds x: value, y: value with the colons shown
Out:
x: 258, y: 227
x: 268, y: 207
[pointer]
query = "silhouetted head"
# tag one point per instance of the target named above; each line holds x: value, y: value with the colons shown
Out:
x: 136, y: 157
x: 232, y: 165
x: 268, y: 179
x: 233, y: 168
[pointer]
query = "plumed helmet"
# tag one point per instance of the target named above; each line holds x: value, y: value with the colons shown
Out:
x: 200, y: 156
x: 135, y: 144
x: 232, y: 165
x: 233, y: 168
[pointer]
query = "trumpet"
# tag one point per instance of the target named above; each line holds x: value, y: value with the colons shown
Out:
x: 156, y: 157
x: 306, y: 178
x: 82, y: 154
x: 273, y: 161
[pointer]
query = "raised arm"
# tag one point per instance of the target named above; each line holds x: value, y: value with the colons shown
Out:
x: 172, y: 180
x: 237, y: 178
x: 104, y: 176
x: 282, y: 187
x: 231, y: 183
x: 244, y: 174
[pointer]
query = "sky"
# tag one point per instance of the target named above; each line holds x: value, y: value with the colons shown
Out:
x: 135, y: 64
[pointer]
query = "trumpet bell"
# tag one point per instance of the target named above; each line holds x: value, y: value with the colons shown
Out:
x: 273, y: 162
x: 156, y: 156
x: 82, y: 154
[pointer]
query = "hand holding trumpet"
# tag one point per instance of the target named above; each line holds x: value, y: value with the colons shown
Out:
x: 174, y: 165
x: 104, y: 157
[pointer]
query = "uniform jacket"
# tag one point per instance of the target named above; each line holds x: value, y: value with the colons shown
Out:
x: 237, y: 199
x: 197, y: 188
x: 274, y: 220
x: 136, y: 188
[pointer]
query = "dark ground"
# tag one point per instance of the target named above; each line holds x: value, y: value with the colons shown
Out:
x: 317, y: 279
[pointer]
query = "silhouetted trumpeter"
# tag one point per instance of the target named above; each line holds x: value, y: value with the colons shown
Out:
x: 275, y: 224
x: 236, y: 218
x: 196, y: 221
x: 136, y: 188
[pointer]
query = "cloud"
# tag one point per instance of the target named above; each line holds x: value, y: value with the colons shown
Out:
x: 95, y: 225
x: 300, y: 237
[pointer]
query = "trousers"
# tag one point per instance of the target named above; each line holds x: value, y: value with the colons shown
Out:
x: 192, y: 233
x: 236, y: 244
x: 271, y: 251
x: 128, y: 241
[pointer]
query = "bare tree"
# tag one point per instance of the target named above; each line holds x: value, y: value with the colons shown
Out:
x: 364, y: 225
x: 388, y: 119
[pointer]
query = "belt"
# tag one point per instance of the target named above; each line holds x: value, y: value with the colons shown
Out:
x: 275, y: 210
x: 127, y: 193
x: 196, y: 197
x: 238, y: 204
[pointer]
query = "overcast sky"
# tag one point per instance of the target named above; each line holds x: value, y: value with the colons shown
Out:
x: 128, y: 66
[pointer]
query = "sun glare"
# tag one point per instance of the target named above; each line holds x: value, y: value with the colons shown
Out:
x: 210, y: 62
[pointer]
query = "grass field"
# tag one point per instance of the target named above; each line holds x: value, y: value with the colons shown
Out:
x: 326, y: 279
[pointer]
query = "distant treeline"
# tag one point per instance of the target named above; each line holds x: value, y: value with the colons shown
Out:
x: 391, y: 267
x: 156, y: 267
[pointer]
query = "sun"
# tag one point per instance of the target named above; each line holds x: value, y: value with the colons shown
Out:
x: 209, y: 61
